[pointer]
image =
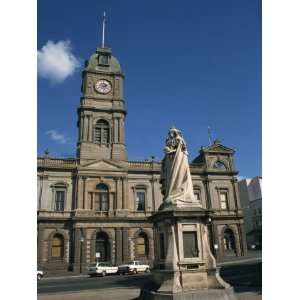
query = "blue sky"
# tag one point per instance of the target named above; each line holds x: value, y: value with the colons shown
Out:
x: 190, y: 64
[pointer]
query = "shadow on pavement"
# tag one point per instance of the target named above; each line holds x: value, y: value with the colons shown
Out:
x: 244, y: 278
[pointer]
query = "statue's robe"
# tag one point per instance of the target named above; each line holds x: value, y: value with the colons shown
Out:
x: 176, y: 177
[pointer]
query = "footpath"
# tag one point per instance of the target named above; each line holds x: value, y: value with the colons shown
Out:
x: 132, y: 293
x: 253, y: 256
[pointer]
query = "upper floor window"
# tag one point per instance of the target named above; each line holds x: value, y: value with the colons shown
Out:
x: 102, y: 197
x: 59, y: 194
x: 197, y: 194
x: 224, y: 200
x: 59, y: 200
x: 102, y: 132
x: 140, y: 200
x: 219, y: 165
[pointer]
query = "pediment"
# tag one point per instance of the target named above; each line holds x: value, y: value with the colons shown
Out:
x: 219, y: 148
x: 103, y: 165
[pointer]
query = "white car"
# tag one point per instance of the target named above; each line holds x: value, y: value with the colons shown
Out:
x: 40, y: 275
x: 133, y: 267
x: 101, y: 268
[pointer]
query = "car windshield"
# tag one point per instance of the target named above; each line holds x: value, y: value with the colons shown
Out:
x: 130, y: 263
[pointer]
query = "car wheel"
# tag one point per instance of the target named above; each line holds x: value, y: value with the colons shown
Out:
x: 39, y: 277
x: 103, y: 273
x: 134, y: 271
x: 147, y: 270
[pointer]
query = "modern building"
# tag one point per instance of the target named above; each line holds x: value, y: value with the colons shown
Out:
x: 251, y: 201
x: 96, y: 205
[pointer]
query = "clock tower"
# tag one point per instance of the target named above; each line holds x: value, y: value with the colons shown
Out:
x: 101, y: 115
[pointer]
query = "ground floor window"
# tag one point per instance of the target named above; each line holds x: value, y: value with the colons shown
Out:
x: 57, y: 246
x: 142, y: 248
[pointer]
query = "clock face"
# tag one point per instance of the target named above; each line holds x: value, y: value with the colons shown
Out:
x: 103, y: 86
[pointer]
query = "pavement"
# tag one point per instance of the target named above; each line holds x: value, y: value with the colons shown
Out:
x: 253, y: 256
x: 244, y: 276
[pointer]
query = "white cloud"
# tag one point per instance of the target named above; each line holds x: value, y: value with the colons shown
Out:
x: 57, y: 137
x: 56, y: 61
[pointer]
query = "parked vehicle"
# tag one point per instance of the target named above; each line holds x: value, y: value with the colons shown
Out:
x: 101, y: 268
x: 40, y: 275
x: 133, y: 267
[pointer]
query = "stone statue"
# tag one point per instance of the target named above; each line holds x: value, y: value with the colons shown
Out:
x: 175, y: 179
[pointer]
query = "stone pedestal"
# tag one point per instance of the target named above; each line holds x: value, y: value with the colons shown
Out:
x: 184, y: 267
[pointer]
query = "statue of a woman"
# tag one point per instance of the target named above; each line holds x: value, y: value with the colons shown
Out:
x: 176, y: 181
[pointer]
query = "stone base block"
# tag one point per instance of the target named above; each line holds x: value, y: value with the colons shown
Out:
x: 201, y: 294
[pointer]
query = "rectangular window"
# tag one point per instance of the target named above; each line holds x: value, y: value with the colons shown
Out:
x: 197, y: 195
x: 101, y: 202
x: 190, y: 245
x: 104, y: 201
x: 140, y: 200
x: 223, y: 200
x: 59, y: 200
x: 97, y: 202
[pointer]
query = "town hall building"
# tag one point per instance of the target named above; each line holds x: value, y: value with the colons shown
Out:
x: 96, y: 206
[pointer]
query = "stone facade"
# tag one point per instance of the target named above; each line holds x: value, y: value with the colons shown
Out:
x: 250, y: 191
x: 97, y: 205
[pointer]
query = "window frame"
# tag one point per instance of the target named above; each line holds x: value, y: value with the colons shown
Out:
x: 140, y: 191
x: 226, y: 193
x: 59, y: 187
x: 61, y: 247
x: 198, y: 194
x: 100, y: 128
x: 142, y: 236
x: 99, y: 195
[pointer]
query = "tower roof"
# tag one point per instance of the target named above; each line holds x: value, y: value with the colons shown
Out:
x: 103, y: 60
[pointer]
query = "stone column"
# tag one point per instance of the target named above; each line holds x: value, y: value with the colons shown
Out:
x: 243, y: 241
x: 79, y: 193
x: 77, y: 250
x: 86, y: 128
x: 90, y: 129
x: 115, y: 120
x: 125, y: 245
x: 81, y: 125
x: 84, y: 198
x: 118, y: 246
x: 124, y: 198
x: 118, y: 193
x: 208, y: 195
x: 153, y: 180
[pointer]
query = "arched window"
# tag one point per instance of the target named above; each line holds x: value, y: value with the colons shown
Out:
x: 220, y: 166
x: 102, y: 247
x: 141, y: 245
x: 57, y: 246
x: 102, y: 132
x: 102, y: 197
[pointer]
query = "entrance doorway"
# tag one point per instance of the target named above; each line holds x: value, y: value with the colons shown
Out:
x: 229, y: 243
x: 102, y: 247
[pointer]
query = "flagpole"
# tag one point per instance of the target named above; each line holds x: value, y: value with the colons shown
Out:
x: 103, y: 30
x: 209, y: 136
